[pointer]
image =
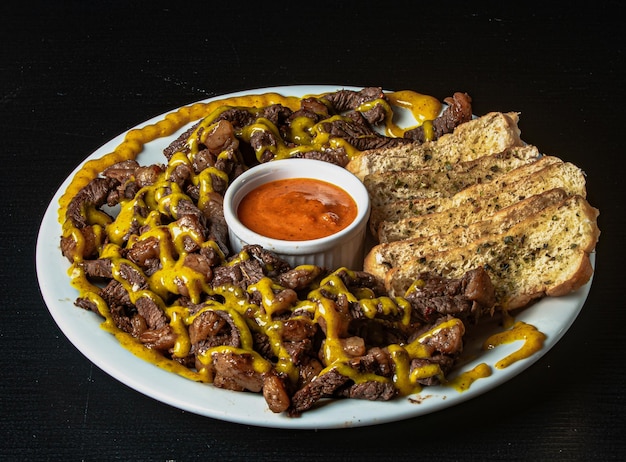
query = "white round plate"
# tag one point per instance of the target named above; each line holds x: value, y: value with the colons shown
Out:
x: 552, y: 316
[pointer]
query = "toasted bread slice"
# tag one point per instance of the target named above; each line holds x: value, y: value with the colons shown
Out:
x: 491, y: 133
x: 455, y: 217
x: 546, y: 254
x: 511, y: 187
x: 389, y: 186
x: 444, y: 231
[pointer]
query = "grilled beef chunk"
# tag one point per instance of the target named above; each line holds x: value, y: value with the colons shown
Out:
x: 99, y: 268
x: 180, y: 144
x: 380, y: 331
x: 297, y: 330
x: 444, y: 345
x: 236, y: 372
x: 377, y: 141
x: 181, y: 174
x: 275, y: 392
x: 272, y: 264
x: 351, y: 127
x: 151, y: 312
x: 360, y: 279
x: 93, y: 195
x: 89, y: 249
x: 265, y: 144
x: 371, y: 390
x: 86, y: 304
x: 466, y: 298
x: 349, y: 100
x: 278, y: 114
x: 345, y: 100
x: 213, y: 328
x: 447, y: 340
x: 114, y: 293
x: 311, y: 108
x: 133, y: 277
x: 323, y: 386
x: 122, y: 171
x: 162, y: 339
x: 220, y: 138
x: 145, y: 253
x: 333, y: 156
x: 299, y: 278
x: 242, y: 274
x: 148, y: 175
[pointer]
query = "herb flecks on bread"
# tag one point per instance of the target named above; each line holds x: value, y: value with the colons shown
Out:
x: 392, y: 186
x: 546, y: 254
x: 492, y: 133
x: 479, y: 198
x: 445, y: 230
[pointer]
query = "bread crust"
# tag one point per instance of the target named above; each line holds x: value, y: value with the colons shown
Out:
x: 546, y: 173
x: 462, y: 201
x: 390, y: 186
x: 435, y: 233
x: 546, y: 254
x: 494, y: 132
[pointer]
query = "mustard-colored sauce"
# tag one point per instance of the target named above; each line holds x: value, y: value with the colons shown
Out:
x: 533, y: 341
x: 297, y: 209
x: 514, y: 331
x: 424, y: 109
x: 464, y: 381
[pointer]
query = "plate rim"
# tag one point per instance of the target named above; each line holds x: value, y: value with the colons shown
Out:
x: 243, y: 407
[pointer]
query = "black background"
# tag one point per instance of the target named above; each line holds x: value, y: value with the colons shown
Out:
x: 75, y: 74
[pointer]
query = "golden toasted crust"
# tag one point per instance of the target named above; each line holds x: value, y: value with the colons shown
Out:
x: 444, y: 231
x: 547, y: 173
x: 390, y: 186
x: 479, y: 197
x: 491, y: 133
x: 545, y: 254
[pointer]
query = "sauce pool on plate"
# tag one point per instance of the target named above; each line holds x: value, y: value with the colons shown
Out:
x: 297, y: 209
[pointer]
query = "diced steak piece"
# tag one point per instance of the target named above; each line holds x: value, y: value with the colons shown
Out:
x: 322, y: 386
x: 236, y: 372
x: 468, y: 297
x: 371, y: 390
x: 94, y: 194
x: 151, y: 312
x: 349, y: 100
x: 213, y: 328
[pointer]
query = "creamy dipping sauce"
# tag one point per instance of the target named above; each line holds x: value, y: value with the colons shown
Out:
x: 297, y: 209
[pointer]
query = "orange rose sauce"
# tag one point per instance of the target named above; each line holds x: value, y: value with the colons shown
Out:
x: 297, y: 209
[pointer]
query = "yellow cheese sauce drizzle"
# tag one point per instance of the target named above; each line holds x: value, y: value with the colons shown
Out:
x: 514, y: 331
x: 533, y: 341
x: 464, y: 380
x: 163, y: 196
x: 405, y: 380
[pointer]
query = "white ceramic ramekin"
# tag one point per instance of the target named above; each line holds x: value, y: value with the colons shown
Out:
x: 342, y: 249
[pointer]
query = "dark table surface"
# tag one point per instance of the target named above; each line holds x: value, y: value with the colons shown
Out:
x: 75, y: 74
